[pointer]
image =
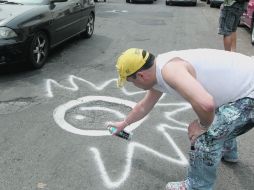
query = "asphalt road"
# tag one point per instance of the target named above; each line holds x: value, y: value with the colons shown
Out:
x: 52, y: 132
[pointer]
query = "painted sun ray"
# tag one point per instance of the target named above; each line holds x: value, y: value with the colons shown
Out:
x: 169, y: 115
x: 109, y: 183
x: 74, y: 87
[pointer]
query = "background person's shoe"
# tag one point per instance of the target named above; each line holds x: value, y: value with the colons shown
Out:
x: 181, y: 185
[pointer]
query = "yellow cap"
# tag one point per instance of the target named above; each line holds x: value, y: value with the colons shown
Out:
x: 128, y: 63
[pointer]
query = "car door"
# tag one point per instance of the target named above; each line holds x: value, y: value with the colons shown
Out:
x: 66, y: 20
x: 86, y: 10
x: 247, y: 15
x: 250, y: 11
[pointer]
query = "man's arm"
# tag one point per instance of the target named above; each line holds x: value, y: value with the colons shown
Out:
x: 144, y: 106
x: 140, y: 110
x: 180, y: 75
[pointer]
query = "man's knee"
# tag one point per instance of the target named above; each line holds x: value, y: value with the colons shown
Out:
x: 205, y: 152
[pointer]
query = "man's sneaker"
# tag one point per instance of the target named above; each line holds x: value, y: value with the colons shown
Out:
x: 232, y: 160
x: 181, y: 185
x: 230, y: 157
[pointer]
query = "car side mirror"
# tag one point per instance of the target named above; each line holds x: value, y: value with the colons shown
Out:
x: 52, y: 5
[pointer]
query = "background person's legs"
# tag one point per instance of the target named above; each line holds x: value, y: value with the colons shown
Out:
x: 233, y: 44
x: 227, y: 40
x: 230, y: 42
x: 228, y: 22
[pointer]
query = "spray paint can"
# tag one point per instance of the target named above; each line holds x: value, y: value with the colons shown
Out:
x: 122, y: 134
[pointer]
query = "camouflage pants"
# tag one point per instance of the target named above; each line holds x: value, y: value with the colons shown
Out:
x: 231, y: 120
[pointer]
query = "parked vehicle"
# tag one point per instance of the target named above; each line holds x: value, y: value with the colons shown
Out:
x: 215, y: 3
x: 29, y: 28
x: 247, y: 18
x: 189, y: 2
x: 139, y: 1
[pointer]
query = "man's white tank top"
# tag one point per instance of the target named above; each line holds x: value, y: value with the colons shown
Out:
x: 227, y: 76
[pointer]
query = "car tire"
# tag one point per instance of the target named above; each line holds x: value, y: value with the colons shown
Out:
x: 194, y: 4
x: 252, y: 33
x: 127, y: 1
x: 207, y: 1
x: 38, y: 50
x: 89, y: 27
x: 168, y: 3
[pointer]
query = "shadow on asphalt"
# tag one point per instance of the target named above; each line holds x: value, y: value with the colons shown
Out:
x: 243, y: 173
x: 141, y: 165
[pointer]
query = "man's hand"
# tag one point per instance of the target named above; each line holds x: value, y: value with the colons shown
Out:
x: 195, y: 130
x: 119, y: 125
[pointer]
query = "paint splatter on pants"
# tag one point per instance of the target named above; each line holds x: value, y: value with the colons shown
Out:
x: 231, y: 120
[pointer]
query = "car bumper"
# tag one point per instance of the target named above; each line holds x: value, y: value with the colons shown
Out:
x: 216, y: 2
x: 143, y: 1
x: 181, y: 1
x: 12, y: 51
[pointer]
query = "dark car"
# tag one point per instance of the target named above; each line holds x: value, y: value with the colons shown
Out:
x: 139, y: 1
x: 215, y: 3
x: 247, y: 18
x: 29, y: 28
x: 189, y: 2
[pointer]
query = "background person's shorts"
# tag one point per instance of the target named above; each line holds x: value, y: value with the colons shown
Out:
x: 229, y: 18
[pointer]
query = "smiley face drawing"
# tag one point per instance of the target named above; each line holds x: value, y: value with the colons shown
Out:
x: 78, y: 116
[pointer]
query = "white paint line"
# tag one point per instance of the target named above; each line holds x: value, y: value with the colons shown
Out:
x: 74, y: 87
x: 79, y: 117
x: 117, y: 11
x: 169, y: 115
x: 129, y: 156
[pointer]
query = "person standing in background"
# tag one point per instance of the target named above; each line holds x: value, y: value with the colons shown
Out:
x: 231, y: 11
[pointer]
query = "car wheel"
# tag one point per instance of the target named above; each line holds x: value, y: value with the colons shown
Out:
x: 38, y: 50
x: 207, y: 1
x: 168, y: 3
x: 194, y: 4
x: 127, y: 1
x: 252, y: 34
x: 89, y: 27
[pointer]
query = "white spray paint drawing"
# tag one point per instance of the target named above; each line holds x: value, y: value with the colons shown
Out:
x: 59, y: 117
x: 74, y: 87
x: 60, y: 111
